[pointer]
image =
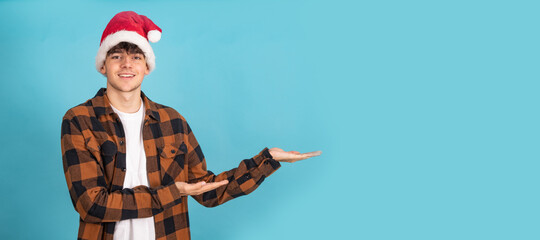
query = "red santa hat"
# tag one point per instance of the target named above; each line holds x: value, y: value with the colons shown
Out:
x: 129, y: 27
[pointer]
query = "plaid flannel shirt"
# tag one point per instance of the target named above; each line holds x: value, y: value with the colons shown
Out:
x: 94, y: 158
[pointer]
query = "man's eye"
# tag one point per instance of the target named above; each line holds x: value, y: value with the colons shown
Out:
x: 115, y: 57
x: 137, y: 58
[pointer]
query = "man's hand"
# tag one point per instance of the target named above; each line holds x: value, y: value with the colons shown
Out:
x: 198, y: 188
x: 291, y: 156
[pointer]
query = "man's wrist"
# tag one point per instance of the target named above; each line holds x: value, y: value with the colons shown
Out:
x: 266, y: 153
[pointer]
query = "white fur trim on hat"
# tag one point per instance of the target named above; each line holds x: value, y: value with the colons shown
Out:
x: 126, y: 36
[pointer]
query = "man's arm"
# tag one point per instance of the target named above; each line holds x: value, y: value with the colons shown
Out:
x: 88, y: 189
x: 241, y: 180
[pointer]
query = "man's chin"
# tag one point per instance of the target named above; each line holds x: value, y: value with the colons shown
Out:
x: 124, y: 89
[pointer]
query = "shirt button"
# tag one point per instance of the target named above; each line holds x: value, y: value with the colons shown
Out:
x: 173, y: 151
x: 121, y: 142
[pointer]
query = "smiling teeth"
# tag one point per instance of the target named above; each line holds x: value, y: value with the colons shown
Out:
x: 126, y: 75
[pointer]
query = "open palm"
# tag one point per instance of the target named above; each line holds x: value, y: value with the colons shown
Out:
x: 291, y: 156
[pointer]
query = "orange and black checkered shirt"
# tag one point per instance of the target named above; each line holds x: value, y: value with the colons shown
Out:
x: 94, y: 158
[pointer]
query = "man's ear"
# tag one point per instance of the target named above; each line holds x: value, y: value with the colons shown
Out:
x: 147, y: 71
x: 103, y: 70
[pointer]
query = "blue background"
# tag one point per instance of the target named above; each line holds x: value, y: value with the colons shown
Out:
x: 426, y: 112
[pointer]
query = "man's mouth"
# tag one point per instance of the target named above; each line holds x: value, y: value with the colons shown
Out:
x: 126, y: 75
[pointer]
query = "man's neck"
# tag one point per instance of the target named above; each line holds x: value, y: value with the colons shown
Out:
x: 128, y: 102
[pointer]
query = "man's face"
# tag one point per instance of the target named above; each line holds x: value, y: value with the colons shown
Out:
x: 124, y: 71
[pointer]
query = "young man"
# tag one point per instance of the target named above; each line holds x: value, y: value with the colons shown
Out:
x: 130, y: 163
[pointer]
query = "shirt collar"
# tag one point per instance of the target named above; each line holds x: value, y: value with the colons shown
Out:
x: 102, y: 106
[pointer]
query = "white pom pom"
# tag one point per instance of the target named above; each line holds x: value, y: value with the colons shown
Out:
x: 154, y: 36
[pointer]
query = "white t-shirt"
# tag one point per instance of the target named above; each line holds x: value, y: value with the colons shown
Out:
x: 137, y: 228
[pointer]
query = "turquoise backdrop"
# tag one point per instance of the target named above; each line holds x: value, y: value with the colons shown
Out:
x: 426, y: 112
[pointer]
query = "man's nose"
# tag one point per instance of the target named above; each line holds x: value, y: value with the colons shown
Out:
x: 126, y: 61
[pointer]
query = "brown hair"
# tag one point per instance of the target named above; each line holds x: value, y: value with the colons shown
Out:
x: 130, y: 48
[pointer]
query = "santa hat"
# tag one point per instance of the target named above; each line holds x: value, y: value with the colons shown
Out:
x: 129, y: 27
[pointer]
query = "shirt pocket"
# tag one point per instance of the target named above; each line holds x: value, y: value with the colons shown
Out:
x: 104, y: 151
x: 172, y: 157
x: 92, y: 145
